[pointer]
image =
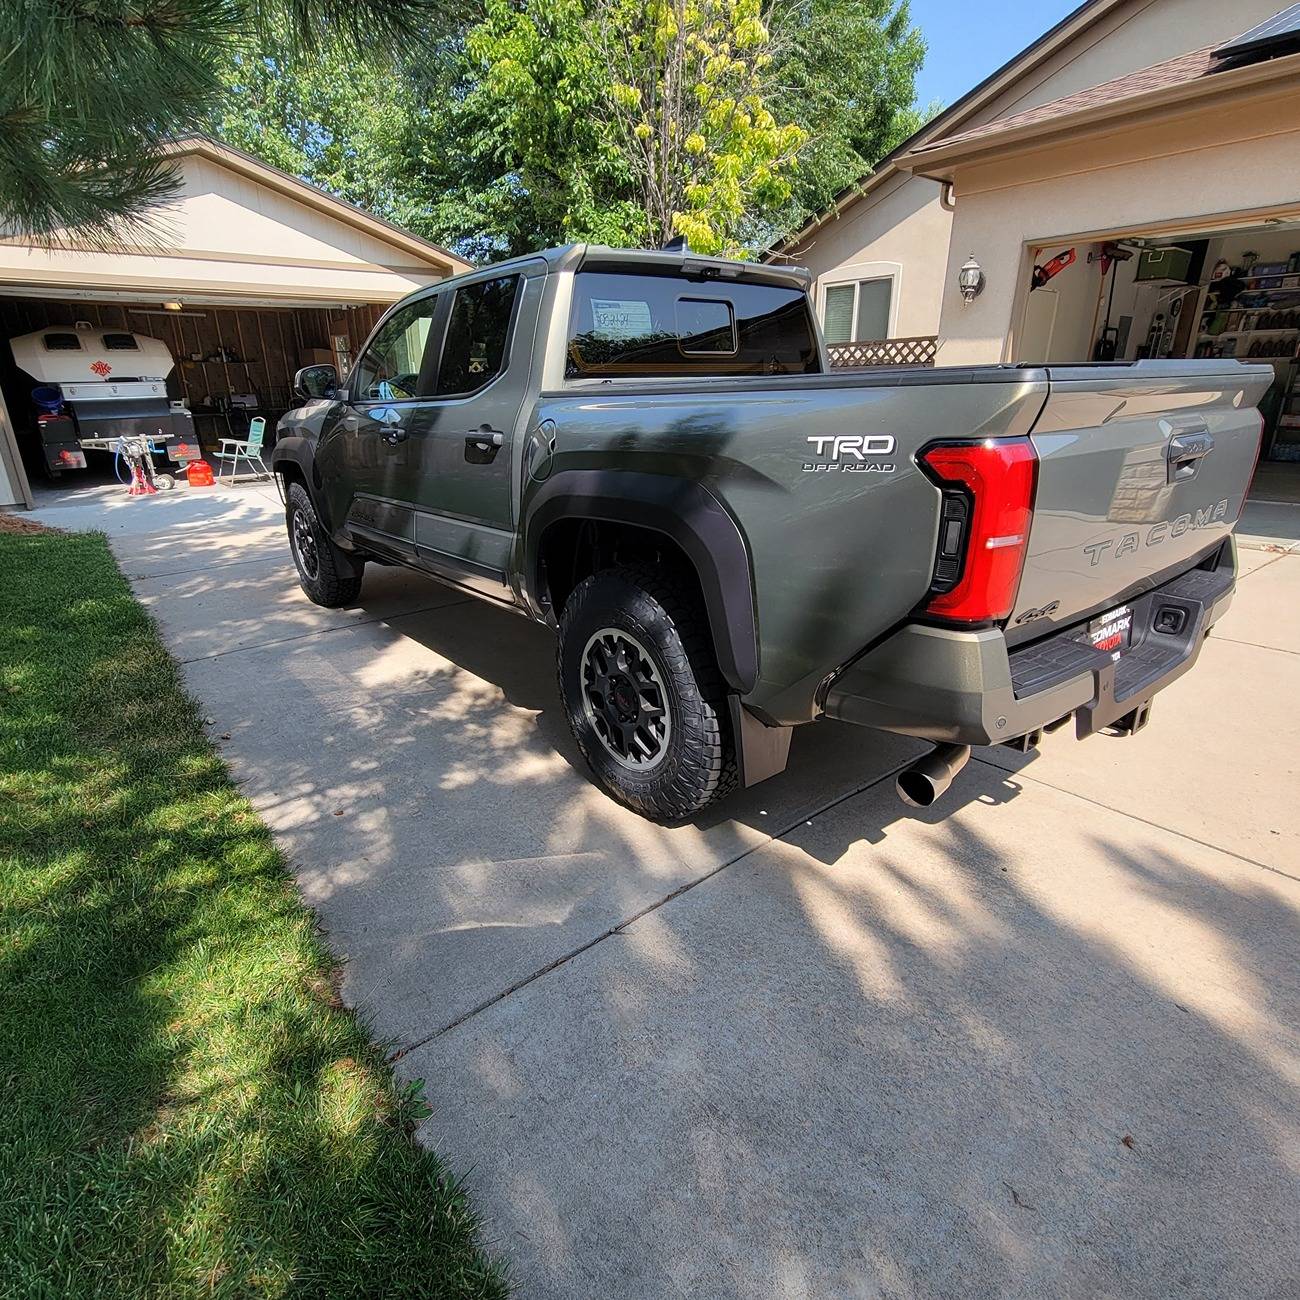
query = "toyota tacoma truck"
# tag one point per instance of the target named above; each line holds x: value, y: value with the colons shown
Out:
x: 648, y: 453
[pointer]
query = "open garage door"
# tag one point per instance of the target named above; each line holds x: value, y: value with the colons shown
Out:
x: 226, y: 363
x: 1210, y: 293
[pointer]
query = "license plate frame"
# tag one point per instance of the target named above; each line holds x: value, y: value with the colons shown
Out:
x: 1111, y: 633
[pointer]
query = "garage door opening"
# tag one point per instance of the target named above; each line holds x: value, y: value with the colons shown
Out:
x: 226, y: 364
x: 1214, y: 293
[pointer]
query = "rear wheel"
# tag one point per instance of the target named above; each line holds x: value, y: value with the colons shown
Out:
x: 643, y: 693
x: 328, y: 575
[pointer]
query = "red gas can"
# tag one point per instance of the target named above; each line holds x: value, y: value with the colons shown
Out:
x: 199, y: 473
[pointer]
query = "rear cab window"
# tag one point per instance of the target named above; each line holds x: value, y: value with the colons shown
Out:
x: 644, y: 325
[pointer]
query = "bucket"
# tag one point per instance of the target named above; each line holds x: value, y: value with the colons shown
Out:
x: 199, y: 473
x: 47, y: 399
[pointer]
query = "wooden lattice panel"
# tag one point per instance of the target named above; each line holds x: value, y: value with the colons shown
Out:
x: 918, y: 351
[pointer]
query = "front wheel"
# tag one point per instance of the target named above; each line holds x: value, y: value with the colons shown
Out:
x: 328, y: 575
x: 643, y: 694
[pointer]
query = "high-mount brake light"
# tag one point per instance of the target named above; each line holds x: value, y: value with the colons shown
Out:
x: 988, y: 503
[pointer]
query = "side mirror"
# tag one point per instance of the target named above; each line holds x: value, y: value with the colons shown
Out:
x: 316, y: 381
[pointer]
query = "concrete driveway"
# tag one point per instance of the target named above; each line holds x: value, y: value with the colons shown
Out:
x: 813, y: 1045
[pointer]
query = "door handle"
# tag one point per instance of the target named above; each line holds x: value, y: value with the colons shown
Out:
x: 392, y: 434
x: 1185, y: 453
x: 482, y: 444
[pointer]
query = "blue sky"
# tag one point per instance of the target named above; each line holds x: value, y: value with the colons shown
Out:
x: 968, y: 39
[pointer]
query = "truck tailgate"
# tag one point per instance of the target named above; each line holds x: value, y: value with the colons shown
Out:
x: 1142, y: 468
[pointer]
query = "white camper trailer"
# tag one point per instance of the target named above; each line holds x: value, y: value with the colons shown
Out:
x: 91, y: 386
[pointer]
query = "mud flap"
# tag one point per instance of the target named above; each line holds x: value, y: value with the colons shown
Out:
x: 761, y: 751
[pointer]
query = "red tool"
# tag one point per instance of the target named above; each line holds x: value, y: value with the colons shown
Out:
x: 1052, y: 268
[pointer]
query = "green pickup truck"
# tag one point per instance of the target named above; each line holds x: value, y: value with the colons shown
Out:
x: 647, y: 452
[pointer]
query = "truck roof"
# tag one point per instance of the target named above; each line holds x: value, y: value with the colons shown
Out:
x: 572, y: 257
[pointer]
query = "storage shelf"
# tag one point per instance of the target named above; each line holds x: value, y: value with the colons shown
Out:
x: 1237, y: 334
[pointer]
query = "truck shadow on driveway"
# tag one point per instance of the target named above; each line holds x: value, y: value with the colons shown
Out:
x: 878, y: 1050
x: 1015, y: 1052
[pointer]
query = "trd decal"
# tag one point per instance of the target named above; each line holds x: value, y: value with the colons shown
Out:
x: 851, y: 453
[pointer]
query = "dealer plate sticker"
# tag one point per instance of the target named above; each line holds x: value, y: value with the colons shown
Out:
x: 1111, y: 632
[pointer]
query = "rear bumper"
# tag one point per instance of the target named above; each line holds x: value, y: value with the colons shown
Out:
x: 968, y: 688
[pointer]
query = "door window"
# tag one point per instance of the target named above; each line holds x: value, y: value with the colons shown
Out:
x: 391, y: 367
x: 858, y: 312
x: 474, y: 352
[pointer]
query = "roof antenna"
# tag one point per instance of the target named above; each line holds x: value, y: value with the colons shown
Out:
x: 677, y: 244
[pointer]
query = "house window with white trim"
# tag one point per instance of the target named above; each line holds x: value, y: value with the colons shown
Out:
x: 857, y: 312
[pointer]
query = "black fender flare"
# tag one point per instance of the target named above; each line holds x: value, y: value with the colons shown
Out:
x: 295, y: 450
x: 688, y: 514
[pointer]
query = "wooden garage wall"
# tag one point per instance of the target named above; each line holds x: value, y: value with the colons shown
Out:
x: 269, y: 342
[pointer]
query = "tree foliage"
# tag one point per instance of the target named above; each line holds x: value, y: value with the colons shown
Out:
x: 90, y: 88
x: 690, y: 79
x: 615, y: 121
x: 846, y: 70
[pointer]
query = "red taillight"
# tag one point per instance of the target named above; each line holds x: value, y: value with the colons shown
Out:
x: 988, y: 490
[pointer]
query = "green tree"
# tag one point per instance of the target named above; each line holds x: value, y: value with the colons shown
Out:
x: 90, y: 88
x: 846, y: 71
x: 511, y: 135
x: 691, y: 78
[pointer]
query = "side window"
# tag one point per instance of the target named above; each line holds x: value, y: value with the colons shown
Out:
x: 474, y: 353
x: 857, y: 312
x: 391, y: 366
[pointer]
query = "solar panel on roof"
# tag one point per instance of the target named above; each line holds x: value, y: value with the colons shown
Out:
x: 1280, y: 30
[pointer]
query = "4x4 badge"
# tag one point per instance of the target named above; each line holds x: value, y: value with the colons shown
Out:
x: 1044, y: 612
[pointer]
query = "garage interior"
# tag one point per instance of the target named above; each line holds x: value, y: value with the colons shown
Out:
x: 233, y: 359
x: 1226, y: 292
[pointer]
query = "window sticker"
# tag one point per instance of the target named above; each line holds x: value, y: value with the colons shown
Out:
x: 621, y: 318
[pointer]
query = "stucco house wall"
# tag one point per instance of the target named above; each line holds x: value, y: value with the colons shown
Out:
x: 903, y: 224
x: 231, y: 232
x: 899, y: 231
x: 1216, y: 166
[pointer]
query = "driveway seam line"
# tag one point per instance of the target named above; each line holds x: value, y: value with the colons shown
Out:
x: 1255, y: 645
x: 215, y: 568
x: 1259, y: 568
x: 322, y: 631
x: 565, y: 958
x: 1120, y: 812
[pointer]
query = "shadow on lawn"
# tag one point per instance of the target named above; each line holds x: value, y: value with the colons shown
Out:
x: 184, y: 1111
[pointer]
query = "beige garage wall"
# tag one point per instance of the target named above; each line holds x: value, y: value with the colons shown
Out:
x: 1130, y: 37
x: 13, y: 484
x: 900, y: 230
x: 903, y: 222
x: 231, y: 232
x: 1249, y: 167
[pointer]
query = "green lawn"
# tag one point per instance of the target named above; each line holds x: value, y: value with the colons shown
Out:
x: 184, y: 1107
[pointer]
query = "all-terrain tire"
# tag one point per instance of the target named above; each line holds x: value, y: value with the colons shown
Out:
x: 696, y: 764
x: 328, y: 575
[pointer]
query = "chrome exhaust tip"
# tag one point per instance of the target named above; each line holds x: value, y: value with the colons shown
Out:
x: 921, y: 783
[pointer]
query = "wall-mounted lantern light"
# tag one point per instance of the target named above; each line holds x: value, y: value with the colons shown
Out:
x: 970, y: 280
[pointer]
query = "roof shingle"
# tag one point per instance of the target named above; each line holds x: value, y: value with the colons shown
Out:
x: 1160, y: 76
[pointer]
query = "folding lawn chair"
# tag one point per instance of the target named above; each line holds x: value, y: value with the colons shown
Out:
x: 233, y: 450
